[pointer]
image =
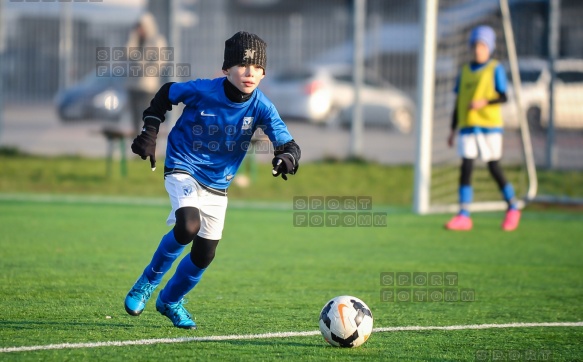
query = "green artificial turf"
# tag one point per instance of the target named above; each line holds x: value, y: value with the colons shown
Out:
x: 65, y: 267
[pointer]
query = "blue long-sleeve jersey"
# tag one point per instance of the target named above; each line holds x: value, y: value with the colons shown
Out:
x: 211, y: 137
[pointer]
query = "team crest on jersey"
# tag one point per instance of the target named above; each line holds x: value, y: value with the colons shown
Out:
x: 187, y: 190
x: 247, y: 122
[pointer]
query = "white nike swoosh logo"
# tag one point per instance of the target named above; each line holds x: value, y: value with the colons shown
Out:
x: 206, y: 114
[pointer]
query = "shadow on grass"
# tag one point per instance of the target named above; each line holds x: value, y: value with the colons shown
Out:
x: 16, y: 325
x: 270, y: 342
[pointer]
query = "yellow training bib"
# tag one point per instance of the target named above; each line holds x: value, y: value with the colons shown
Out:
x: 475, y: 86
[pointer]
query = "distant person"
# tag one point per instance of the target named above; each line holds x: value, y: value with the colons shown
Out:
x: 480, y: 88
x: 141, y: 89
x: 204, y: 151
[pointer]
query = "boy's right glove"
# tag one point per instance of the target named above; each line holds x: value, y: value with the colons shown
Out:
x: 144, y: 145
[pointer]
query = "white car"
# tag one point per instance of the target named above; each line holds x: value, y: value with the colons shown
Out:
x: 325, y: 94
x: 535, y: 77
x: 303, y: 94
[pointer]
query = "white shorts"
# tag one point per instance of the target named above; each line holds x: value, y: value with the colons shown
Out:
x: 487, y: 145
x: 185, y: 191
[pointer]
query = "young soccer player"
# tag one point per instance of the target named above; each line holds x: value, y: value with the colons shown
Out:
x: 481, y: 88
x: 205, y: 149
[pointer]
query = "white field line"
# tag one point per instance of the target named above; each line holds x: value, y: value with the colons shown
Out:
x: 276, y: 335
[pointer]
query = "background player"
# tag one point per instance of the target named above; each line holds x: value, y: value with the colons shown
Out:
x: 144, y: 35
x: 205, y: 149
x: 481, y: 88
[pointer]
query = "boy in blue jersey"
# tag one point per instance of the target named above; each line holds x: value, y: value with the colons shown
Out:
x: 205, y: 149
x: 481, y: 88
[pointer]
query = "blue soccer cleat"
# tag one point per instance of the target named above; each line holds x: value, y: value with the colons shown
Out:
x: 176, y: 312
x: 138, y: 296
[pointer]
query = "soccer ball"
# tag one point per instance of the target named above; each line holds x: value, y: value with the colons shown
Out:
x: 346, y: 321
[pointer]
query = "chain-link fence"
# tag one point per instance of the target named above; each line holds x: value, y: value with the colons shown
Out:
x: 51, y: 46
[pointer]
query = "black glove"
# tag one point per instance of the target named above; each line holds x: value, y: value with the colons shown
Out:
x: 284, y: 164
x: 144, y: 144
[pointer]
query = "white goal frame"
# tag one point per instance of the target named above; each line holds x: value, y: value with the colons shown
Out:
x: 424, y: 119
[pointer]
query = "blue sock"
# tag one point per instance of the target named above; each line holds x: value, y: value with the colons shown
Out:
x: 464, y: 212
x: 509, y: 196
x: 185, y: 278
x: 466, y: 195
x: 168, y: 250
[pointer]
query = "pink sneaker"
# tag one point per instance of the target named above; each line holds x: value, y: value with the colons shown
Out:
x: 511, y: 220
x: 459, y: 222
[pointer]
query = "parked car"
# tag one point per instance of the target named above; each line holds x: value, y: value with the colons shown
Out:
x: 535, y: 78
x: 301, y: 93
x: 325, y: 94
x: 93, y: 98
x: 383, y: 105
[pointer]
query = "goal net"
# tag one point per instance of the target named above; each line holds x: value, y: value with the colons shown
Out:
x: 447, y: 28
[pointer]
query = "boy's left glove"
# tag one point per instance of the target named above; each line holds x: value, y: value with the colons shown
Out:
x: 284, y: 164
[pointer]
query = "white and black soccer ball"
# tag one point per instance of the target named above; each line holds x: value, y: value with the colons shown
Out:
x: 346, y: 321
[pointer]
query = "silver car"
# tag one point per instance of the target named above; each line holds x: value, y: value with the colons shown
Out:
x: 535, y: 77
x: 302, y: 94
x: 325, y: 94
x: 93, y: 98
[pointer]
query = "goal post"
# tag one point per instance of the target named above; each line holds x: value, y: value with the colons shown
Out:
x: 425, y: 89
x: 524, y: 130
x: 443, y: 49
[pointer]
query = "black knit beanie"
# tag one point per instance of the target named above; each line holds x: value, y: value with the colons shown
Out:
x: 245, y: 48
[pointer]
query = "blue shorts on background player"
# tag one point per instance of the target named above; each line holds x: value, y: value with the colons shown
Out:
x: 204, y: 151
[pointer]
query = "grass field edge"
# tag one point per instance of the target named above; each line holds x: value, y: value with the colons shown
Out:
x: 157, y: 201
